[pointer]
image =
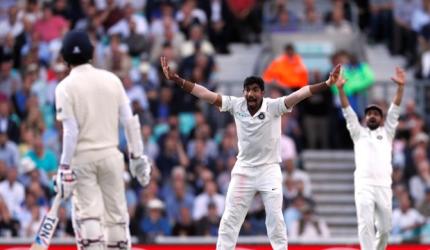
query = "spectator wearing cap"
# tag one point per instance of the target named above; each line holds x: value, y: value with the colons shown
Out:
x: 155, y: 224
x: 12, y: 192
x: 8, y: 150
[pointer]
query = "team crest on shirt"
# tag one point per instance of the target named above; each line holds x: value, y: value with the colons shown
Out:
x: 261, y: 116
x: 379, y: 137
x: 59, y: 110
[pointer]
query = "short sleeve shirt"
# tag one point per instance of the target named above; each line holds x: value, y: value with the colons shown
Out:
x: 258, y: 135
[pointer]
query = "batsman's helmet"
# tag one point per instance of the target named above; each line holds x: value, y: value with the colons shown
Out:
x: 77, y: 48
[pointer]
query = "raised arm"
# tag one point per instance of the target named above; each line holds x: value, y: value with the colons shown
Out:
x: 399, y: 79
x: 393, y: 113
x: 342, y: 95
x: 307, y: 91
x: 352, y: 122
x: 190, y: 87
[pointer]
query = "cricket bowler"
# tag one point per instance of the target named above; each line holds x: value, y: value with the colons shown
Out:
x: 257, y: 169
x: 91, y: 103
x: 372, y: 176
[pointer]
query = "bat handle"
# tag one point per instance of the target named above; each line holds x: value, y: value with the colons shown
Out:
x: 55, y: 205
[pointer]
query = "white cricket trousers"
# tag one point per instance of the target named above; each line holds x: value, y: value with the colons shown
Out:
x: 245, y: 183
x: 373, y: 205
x: 99, y: 196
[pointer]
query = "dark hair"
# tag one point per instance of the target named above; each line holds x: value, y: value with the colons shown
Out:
x: 254, y: 79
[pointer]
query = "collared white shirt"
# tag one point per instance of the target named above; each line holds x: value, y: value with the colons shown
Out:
x: 259, y: 135
x: 373, y: 148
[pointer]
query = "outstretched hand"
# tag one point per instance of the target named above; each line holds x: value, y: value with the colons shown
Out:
x: 170, y: 75
x: 334, y: 75
x: 340, y: 82
x: 400, y: 77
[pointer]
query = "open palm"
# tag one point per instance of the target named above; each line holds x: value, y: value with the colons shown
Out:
x: 400, y: 77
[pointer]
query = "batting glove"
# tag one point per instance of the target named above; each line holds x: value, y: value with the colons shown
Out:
x: 140, y: 168
x: 64, y: 182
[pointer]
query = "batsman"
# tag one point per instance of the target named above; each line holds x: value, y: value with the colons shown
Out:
x: 91, y: 103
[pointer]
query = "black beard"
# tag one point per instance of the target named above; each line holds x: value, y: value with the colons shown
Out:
x: 373, y: 126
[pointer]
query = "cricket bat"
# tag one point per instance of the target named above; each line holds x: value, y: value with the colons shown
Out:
x: 47, y: 227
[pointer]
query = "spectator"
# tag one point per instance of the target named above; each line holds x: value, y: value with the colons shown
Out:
x: 312, y: 21
x: 44, y: 158
x: 407, y: 221
x: 155, y: 224
x: 419, y: 183
x: 149, y: 146
x: 8, y: 150
x: 12, y: 25
x: 184, y: 225
x: 208, y: 224
x: 50, y: 27
x: 189, y: 15
x: 173, y: 154
x: 285, y: 22
x: 424, y: 206
x: 6, y: 121
x: 297, y: 175
x: 309, y: 226
x: 316, y: 111
x: 130, y: 18
x: 381, y: 20
x: 202, y: 201
x: 135, y: 92
x: 287, y: 70
x: 9, y: 226
x: 12, y: 192
x: 179, y: 196
x: 405, y: 39
x: 338, y: 24
x: 196, y: 36
x: 10, y: 81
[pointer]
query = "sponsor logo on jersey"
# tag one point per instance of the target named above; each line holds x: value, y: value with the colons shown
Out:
x: 261, y: 116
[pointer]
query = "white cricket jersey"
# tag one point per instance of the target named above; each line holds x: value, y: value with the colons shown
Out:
x: 259, y: 135
x: 373, y: 148
x: 93, y: 98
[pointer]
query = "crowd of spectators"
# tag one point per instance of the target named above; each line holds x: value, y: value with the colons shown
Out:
x: 193, y: 147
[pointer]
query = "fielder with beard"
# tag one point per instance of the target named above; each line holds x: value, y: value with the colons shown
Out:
x: 257, y: 169
x: 372, y: 176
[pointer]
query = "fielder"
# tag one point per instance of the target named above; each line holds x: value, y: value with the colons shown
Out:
x: 257, y: 168
x: 90, y: 104
x: 372, y: 176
